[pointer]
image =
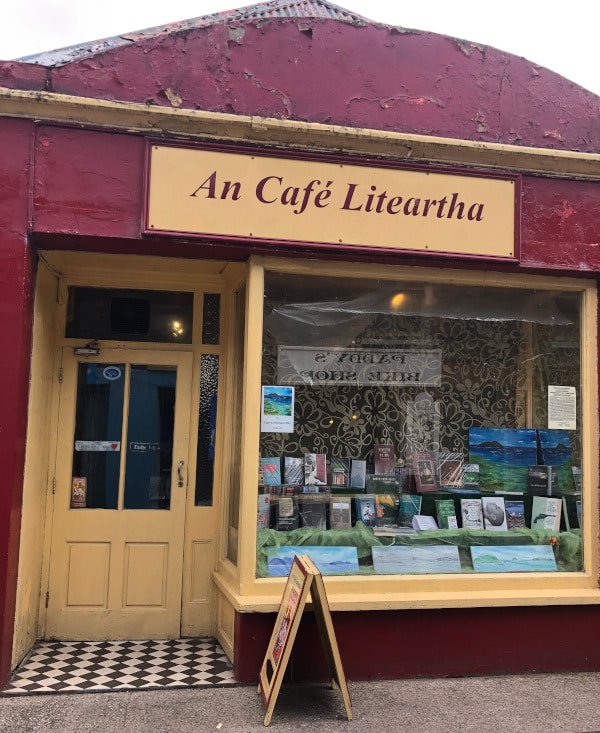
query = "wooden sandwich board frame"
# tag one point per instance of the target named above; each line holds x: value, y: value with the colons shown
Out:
x: 304, y: 577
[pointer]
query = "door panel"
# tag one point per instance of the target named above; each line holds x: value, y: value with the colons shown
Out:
x: 120, y: 500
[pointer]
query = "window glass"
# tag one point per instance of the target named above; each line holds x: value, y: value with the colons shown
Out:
x: 211, y: 316
x: 150, y: 437
x: 416, y: 427
x: 130, y: 315
x: 207, y: 426
x: 97, y: 440
x: 146, y: 450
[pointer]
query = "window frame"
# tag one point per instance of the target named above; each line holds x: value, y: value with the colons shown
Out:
x: 397, y: 591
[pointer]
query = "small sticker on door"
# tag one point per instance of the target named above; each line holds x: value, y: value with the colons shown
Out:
x: 112, y: 373
x: 78, y: 492
x: 99, y: 446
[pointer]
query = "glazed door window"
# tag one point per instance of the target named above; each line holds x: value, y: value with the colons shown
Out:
x: 141, y: 445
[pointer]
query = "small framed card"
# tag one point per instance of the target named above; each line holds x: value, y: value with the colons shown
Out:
x: 424, y: 472
x: 78, y: 492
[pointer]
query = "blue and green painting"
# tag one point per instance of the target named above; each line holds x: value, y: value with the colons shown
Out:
x: 278, y: 401
x: 425, y: 559
x: 513, y: 558
x: 330, y: 560
x: 503, y: 456
x: 555, y: 446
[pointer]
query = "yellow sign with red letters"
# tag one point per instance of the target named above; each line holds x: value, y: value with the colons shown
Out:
x: 234, y: 195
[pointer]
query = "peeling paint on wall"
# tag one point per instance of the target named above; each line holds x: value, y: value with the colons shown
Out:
x: 328, y: 71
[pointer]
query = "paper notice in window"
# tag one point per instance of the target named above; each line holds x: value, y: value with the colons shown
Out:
x: 562, y: 408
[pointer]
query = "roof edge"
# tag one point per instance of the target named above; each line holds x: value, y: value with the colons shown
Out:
x: 264, y: 11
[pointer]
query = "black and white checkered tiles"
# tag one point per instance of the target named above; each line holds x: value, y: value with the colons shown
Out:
x: 97, y: 666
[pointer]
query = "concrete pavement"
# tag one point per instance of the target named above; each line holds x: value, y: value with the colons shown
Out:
x: 548, y: 703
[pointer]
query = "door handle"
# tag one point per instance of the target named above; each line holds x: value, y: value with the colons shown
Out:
x: 180, y: 465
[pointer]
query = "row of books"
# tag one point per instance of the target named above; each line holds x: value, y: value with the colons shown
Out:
x: 492, y: 513
x: 387, y: 514
x: 373, y: 484
x: 543, y: 482
x: 316, y: 469
x: 428, y: 472
x: 321, y: 511
x: 312, y: 469
x: 497, y: 513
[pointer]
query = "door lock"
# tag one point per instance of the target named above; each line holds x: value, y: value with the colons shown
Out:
x: 180, y: 465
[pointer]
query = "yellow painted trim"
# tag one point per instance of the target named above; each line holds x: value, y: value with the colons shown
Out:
x: 377, y: 592
x: 193, y: 125
x: 366, y: 599
x: 447, y: 275
x: 38, y: 468
x: 131, y: 271
x: 227, y: 431
x: 159, y: 273
x: 55, y: 358
x: 589, y: 432
x: 246, y: 593
x: 250, y: 428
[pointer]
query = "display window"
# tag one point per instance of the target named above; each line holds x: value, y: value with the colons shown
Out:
x: 422, y: 424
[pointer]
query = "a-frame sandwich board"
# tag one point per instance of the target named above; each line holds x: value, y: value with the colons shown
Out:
x: 304, y: 578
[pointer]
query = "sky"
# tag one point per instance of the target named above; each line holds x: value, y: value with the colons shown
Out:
x: 560, y: 37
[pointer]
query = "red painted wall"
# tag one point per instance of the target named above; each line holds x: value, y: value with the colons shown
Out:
x: 334, y: 73
x: 560, y: 224
x: 430, y: 643
x: 16, y: 284
x: 90, y: 184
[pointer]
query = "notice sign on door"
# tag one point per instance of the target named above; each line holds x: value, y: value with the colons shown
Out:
x: 280, y: 199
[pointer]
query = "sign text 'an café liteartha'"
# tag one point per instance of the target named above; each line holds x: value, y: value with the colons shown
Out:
x: 237, y: 195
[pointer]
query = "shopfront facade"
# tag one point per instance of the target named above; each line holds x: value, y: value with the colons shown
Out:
x: 216, y: 268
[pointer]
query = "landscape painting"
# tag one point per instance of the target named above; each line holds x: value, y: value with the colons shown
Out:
x: 278, y: 400
x: 503, y: 456
x: 426, y: 559
x: 555, y: 446
x: 329, y: 560
x: 277, y: 410
x: 513, y: 558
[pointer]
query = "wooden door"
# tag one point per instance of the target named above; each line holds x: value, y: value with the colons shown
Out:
x: 121, y: 479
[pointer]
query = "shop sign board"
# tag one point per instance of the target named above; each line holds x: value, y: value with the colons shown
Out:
x: 397, y: 367
x: 233, y: 195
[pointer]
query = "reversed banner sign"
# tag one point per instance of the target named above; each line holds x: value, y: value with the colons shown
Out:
x: 234, y: 195
x: 400, y: 367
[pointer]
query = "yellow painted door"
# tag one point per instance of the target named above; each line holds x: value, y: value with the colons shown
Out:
x: 121, y: 478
